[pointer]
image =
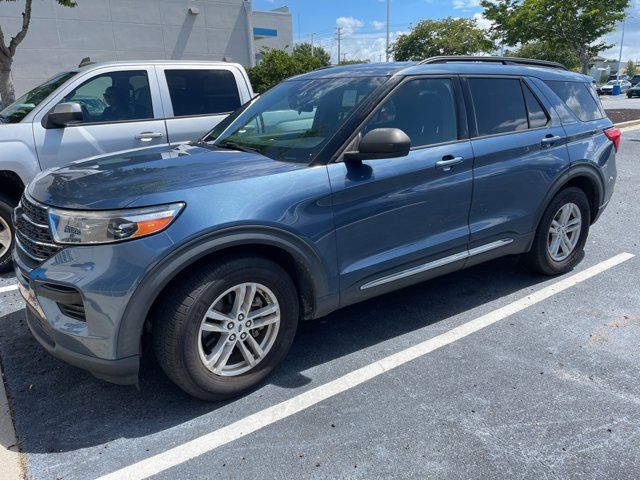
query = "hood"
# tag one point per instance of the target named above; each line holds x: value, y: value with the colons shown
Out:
x: 117, y: 181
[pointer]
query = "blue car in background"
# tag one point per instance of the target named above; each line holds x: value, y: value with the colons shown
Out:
x: 333, y: 187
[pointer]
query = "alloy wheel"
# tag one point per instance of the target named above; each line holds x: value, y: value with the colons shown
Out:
x: 5, y: 237
x: 239, y: 329
x: 564, y: 232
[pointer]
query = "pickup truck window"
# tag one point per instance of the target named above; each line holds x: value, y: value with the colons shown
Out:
x: 293, y: 121
x: 202, y: 92
x: 114, y: 97
x: 19, y: 109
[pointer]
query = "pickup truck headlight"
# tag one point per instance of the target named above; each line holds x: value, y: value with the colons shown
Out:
x: 108, y: 226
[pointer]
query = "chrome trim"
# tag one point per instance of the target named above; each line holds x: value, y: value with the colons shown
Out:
x: 437, y: 263
x: 42, y: 244
x: 28, y: 219
x: 24, y: 250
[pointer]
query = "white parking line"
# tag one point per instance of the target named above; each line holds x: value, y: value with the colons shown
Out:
x: 9, y: 288
x: 206, y: 443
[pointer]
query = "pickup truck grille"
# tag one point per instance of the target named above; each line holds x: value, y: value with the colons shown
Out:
x: 33, y: 234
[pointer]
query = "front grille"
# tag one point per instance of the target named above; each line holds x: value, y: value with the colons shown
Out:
x: 33, y: 235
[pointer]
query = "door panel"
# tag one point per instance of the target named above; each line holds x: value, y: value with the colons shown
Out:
x: 512, y: 171
x: 394, y: 213
x: 396, y: 219
x: 512, y: 176
x: 127, y: 117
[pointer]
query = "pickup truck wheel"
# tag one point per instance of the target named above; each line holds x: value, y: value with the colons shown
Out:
x: 559, y: 242
x: 6, y: 234
x: 226, y: 327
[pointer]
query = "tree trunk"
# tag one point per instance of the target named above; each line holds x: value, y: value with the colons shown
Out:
x: 7, y: 94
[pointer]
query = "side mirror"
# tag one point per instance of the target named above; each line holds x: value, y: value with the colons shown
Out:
x: 381, y: 143
x: 64, y: 114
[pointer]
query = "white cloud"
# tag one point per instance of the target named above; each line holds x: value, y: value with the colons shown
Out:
x: 465, y: 4
x: 378, y: 25
x: 482, y: 21
x: 349, y: 24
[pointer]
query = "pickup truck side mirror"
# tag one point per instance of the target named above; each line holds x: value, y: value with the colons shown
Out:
x: 381, y: 143
x: 65, y: 114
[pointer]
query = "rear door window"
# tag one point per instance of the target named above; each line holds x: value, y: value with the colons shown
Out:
x: 578, y: 98
x: 499, y: 105
x: 202, y: 92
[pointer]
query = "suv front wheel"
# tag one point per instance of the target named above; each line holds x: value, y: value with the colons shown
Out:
x: 562, y: 233
x: 226, y: 327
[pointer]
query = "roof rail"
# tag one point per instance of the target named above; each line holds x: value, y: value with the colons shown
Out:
x: 501, y: 60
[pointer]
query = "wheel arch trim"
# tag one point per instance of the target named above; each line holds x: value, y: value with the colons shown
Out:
x: 584, y: 170
x: 146, y: 293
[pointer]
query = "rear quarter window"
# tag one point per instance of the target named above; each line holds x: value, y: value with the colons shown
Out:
x: 578, y: 97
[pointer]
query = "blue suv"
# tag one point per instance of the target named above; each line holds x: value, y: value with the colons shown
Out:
x: 330, y: 188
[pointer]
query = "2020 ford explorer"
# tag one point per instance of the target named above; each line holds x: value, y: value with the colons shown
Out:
x: 332, y: 187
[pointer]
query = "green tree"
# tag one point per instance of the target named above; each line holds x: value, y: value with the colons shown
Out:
x: 449, y: 36
x: 8, y: 51
x: 306, y: 49
x: 541, y: 51
x: 576, y: 25
x: 278, y: 65
x: 631, y: 68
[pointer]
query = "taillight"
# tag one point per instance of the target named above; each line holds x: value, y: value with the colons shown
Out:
x: 614, y: 134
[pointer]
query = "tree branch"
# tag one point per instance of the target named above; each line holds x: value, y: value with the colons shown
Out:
x: 26, y: 19
x: 4, y: 51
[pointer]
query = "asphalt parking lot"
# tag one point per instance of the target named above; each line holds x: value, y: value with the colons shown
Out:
x: 547, y: 388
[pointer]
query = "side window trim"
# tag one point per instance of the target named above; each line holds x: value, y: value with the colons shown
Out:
x: 471, y: 112
x: 523, y: 86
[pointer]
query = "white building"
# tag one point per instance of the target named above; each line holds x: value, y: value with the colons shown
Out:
x: 60, y: 37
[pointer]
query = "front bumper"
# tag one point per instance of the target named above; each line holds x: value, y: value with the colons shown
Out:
x: 104, y: 278
x: 123, y: 371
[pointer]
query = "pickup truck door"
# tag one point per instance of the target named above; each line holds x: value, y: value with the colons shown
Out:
x: 122, y: 111
x: 196, y: 98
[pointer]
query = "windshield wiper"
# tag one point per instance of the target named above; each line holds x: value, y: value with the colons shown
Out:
x: 237, y: 146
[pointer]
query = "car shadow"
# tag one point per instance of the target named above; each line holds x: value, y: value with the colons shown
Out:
x: 60, y: 408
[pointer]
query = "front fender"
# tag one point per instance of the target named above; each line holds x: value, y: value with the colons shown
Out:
x: 132, y: 324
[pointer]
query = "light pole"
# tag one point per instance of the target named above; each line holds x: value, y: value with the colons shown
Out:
x: 388, y: 16
x: 620, y: 54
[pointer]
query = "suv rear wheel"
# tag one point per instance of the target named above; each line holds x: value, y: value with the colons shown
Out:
x: 6, y: 233
x: 226, y: 327
x: 562, y: 233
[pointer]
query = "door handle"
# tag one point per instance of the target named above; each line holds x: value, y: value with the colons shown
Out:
x: 448, y: 162
x: 148, y: 136
x: 550, y: 140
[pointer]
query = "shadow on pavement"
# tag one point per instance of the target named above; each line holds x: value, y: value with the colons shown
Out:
x: 60, y: 408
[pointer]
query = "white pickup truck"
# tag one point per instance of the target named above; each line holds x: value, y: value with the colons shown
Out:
x: 109, y: 107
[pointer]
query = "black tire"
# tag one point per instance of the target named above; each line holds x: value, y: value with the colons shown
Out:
x: 6, y: 213
x: 538, y: 258
x: 176, y: 326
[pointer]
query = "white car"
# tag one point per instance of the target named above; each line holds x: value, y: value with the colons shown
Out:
x: 102, y: 108
x: 607, y: 88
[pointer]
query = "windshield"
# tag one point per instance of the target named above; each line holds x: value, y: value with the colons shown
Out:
x: 21, y: 107
x: 293, y: 121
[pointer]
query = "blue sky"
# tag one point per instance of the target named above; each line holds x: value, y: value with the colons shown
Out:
x: 363, y: 22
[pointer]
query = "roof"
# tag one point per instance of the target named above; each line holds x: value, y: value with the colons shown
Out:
x: 453, y: 68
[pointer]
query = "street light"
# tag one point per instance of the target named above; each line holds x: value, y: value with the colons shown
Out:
x: 388, y: 16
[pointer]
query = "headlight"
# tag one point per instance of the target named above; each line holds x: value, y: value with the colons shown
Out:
x: 77, y: 227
